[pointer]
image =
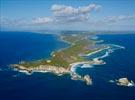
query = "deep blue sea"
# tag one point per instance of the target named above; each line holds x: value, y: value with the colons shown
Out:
x: 26, y: 46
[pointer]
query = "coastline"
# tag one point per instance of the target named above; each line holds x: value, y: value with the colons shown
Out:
x: 71, y: 68
x: 94, y: 62
x: 89, y: 54
x: 59, y: 71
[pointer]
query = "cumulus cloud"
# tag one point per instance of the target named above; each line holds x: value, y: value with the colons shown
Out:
x: 67, y: 14
x: 60, y: 14
x: 63, y: 13
x: 63, y: 10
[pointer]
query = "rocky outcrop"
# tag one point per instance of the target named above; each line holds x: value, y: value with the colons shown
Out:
x: 76, y: 77
x: 42, y: 68
x: 53, y: 69
x: 87, y: 79
x: 124, y: 82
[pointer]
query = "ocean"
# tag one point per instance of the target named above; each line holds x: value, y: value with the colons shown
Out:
x: 28, y: 46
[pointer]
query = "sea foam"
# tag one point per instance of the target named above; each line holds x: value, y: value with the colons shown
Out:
x: 109, y: 49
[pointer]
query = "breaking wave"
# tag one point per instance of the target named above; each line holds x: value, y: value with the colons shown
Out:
x: 97, y: 57
x: 105, y: 52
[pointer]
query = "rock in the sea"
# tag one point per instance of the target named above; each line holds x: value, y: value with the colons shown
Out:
x: 125, y: 82
x: 76, y: 77
x: 87, y: 79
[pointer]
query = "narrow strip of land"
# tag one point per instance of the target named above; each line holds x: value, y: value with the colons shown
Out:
x: 61, y: 61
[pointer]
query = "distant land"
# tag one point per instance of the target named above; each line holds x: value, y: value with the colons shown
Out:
x: 78, y: 31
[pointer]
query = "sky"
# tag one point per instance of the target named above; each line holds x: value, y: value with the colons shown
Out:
x: 67, y: 15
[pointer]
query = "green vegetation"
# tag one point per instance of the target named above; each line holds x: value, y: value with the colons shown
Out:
x: 80, y: 44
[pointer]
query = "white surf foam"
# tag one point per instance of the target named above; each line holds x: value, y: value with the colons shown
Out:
x: 86, y: 66
x: 109, y: 49
x: 97, y: 51
x: 25, y: 72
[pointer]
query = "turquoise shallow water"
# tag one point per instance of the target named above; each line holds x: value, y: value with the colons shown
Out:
x: 16, y: 46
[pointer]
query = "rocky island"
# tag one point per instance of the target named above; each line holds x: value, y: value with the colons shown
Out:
x: 123, y: 82
x: 63, y: 60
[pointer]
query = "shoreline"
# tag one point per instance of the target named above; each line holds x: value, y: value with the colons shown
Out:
x: 94, y: 52
x: 71, y: 70
x: 93, y: 62
x: 60, y: 69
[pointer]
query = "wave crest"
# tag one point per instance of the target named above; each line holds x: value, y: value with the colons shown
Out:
x: 97, y: 60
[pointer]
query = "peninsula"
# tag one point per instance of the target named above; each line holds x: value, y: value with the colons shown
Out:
x: 62, y: 61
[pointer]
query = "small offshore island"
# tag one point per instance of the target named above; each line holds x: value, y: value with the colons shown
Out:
x: 65, y: 60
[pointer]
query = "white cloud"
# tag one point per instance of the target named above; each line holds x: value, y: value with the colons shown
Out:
x: 63, y: 13
x: 42, y: 20
x: 60, y: 14
x: 63, y: 10
x: 12, y: 22
x: 68, y: 16
x: 114, y: 19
